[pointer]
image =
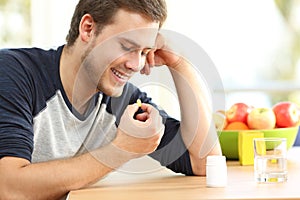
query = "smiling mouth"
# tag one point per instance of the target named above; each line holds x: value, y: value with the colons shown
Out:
x: 119, y: 75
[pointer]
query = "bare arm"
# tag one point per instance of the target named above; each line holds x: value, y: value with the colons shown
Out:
x: 196, y: 114
x: 48, y: 180
x: 195, y: 105
x: 52, y: 180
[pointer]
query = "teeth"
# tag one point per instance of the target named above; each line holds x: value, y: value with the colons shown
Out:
x: 118, y: 74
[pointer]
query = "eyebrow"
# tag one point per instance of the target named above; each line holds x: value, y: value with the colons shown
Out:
x: 134, y: 43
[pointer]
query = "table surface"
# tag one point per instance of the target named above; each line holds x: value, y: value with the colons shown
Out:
x: 164, y: 184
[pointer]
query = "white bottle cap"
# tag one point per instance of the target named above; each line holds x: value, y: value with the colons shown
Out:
x: 215, y: 160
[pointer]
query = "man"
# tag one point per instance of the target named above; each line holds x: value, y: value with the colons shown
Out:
x: 68, y: 117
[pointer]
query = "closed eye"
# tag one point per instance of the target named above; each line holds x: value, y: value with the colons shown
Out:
x: 126, y: 48
x: 144, y: 52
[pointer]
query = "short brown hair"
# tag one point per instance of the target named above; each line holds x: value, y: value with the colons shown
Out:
x: 103, y: 12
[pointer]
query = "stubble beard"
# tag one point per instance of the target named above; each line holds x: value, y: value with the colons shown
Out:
x: 98, y: 80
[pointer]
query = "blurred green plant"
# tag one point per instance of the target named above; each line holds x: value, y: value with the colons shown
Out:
x: 15, y: 23
x: 286, y: 64
x: 289, y: 58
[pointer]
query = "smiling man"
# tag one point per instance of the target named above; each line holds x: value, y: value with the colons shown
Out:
x: 68, y: 116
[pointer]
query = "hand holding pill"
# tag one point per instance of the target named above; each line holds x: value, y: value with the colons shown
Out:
x: 142, y: 135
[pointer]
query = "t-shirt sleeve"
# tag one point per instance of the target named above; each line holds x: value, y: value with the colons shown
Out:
x: 172, y: 151
x: 16, y: 131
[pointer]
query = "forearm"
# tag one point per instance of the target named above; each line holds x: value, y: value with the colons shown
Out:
x: 196, y: 113
x: 54, y: 179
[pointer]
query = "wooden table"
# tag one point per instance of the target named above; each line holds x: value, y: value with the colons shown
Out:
x: 165, y: 185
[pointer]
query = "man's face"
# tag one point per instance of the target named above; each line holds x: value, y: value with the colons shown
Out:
x: 119, y: 51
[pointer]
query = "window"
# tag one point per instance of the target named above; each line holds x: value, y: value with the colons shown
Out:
x: 254, y: 45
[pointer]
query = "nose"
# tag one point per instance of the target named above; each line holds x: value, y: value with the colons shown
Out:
x: 135, y: 61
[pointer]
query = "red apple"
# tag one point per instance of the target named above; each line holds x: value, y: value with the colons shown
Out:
x: 238, y: 112
x: 287, y: 114
x: 261, y: 118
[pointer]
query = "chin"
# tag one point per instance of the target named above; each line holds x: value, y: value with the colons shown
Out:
x: 115, y: 92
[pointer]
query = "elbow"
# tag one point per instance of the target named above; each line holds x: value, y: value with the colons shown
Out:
x: 199, y: 171
x: 11, y: 192
x: 8, y: 193
x: 198, y: 165
x: 10, y: 188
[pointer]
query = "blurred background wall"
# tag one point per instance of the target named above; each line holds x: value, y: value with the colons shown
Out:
x: 254, y: 44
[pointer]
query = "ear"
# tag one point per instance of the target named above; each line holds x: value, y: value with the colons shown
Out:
x: 86, y: 27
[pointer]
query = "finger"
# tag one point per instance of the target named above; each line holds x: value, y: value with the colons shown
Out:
x: 146, y: 107
x: 141, y: 129
x: 132, y: 109
x: 146, y: 69
x: 146, y: 115
x: 151, y: 58
x: 142, y: 71
x: 142, y: 116
x: 153, y: 115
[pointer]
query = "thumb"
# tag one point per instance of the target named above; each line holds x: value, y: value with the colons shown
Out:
x: 131, y: 110
x: 136, y: 128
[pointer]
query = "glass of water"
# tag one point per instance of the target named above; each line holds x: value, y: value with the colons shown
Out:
x: 270, y: 160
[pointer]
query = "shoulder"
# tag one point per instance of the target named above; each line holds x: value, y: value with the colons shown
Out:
x: 25, y: 55
x: 27, y: 59
x: 29, y: 75
x: 29, y: 62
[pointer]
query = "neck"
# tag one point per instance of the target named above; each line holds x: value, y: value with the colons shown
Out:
x: 73, y: 84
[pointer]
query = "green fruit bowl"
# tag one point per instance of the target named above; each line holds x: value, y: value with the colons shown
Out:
x: 229, y: 139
